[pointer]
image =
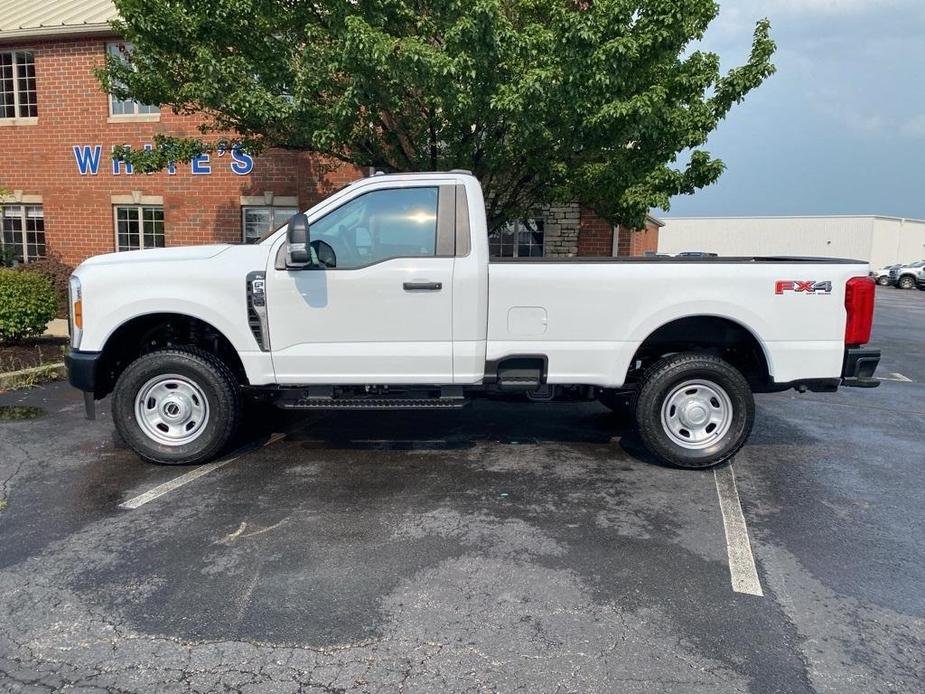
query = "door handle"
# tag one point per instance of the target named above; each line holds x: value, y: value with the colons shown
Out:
x: 422, y: 286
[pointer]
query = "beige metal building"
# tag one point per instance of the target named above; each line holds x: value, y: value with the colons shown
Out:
x: 878, y: 239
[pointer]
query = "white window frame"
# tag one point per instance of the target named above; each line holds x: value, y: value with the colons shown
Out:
x: 139, y: 208
x: 120, y: 48
x: 518, y: 226
x: 23, y: 216
x: 17, y: 97
x: 272, y: 210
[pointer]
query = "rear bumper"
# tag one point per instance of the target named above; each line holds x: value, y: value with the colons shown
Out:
x: 82, y: 369
x: 859, y: 366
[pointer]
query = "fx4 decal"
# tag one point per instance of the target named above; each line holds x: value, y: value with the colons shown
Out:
x: 802, y: 287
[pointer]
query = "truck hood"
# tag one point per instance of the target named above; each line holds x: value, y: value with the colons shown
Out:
x: 154, y: 255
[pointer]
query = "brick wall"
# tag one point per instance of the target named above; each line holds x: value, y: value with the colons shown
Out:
x: 637, y: 241
x: 644, y: 240
x: 38, y: 159
x: 596, y: 235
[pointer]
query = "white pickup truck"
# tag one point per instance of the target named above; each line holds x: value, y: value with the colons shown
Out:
x: 383, y: 296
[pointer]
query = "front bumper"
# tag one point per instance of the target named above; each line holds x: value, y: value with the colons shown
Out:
x: 859, y: 366
x: 82, y: 369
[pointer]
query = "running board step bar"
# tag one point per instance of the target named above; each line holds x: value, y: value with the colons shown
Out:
x: 322, y: 398
x: 373, y: 404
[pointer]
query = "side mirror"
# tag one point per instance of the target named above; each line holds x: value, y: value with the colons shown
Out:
x: 298, y: 252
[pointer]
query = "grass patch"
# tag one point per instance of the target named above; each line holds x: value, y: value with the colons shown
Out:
x: 31, y: 353
x: 38, y: 355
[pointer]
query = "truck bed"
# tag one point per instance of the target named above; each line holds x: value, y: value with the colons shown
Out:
x: 590, y: 315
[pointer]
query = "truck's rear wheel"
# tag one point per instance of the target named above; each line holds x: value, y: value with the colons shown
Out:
x: 883, y: 280
x: 176, y: 406
x: 694, y: 410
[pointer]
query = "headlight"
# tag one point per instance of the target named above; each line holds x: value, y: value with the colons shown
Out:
x: 76, y: 315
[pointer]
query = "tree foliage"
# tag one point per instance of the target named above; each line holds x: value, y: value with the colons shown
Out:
x: 594, y: 101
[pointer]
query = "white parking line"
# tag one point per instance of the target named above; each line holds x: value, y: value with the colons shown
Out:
x: 742, y: 569
x: 177, y: 482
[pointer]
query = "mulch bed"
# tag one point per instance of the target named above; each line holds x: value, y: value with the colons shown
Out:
x: 36, y: 352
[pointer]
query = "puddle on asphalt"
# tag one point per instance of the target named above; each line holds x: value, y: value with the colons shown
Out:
x: 12, y: 413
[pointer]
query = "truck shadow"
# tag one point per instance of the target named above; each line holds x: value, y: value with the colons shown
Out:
x: 498, y: 421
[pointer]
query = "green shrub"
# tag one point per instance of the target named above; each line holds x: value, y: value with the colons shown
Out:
x: 27, y: 303
x: 58, y: 273
x: 7, y: 256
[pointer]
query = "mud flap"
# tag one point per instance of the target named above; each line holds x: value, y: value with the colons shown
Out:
x: 89, y: 406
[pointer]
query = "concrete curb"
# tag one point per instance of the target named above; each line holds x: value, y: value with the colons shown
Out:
x: 16, y: 379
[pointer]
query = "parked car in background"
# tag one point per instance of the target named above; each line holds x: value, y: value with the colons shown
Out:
x: 908, y: 276
x: 696, y: 254
x: 882, y: 276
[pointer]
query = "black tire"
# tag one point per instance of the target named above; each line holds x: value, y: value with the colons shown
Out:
x: 883, y: 281
x: 662, y: 380
x: 214, y: 381
x: 906, y: 282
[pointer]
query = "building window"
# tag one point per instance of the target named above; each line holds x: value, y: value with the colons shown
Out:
x: 139, y: 226
x: 23, y: 232
x: 259, y: 221
x: 126, y: 107
x: 520, y: 239
x: 17, y: 85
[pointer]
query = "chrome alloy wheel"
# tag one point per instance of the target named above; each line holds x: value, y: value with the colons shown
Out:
x: 172, y: 410
x: 696, y: 414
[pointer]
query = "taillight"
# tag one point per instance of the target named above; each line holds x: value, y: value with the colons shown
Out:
x: 859, y: 304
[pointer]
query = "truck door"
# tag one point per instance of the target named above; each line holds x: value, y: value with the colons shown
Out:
x: 377, y: 307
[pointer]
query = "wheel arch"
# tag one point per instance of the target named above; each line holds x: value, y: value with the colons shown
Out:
x: 150, y: 332
x: 712, y: 334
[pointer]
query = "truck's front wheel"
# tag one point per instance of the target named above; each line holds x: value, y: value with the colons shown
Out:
x: 176, y: 406
x: 694, y: 410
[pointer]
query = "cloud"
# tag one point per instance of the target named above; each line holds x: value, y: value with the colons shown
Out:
x: 914, y: 127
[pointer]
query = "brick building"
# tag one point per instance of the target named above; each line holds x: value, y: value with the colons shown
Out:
x: 66, y: 195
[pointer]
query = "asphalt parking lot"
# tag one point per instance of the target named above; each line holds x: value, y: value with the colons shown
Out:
x: 504, y: 548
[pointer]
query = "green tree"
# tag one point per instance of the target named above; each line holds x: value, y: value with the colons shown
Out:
x: 594, y: 101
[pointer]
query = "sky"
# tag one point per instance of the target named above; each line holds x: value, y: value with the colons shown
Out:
x: 839, y: 129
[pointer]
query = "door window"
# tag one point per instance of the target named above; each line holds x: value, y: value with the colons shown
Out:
x: 376, y: 226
